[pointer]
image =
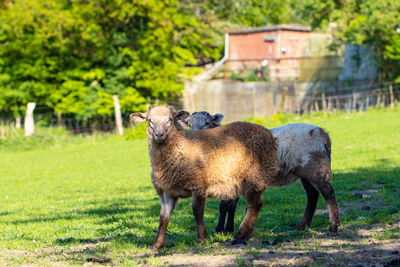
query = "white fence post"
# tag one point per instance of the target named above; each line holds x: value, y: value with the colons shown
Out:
x: 29, y: 123
x: 18, y: 122
x: 118, y: 119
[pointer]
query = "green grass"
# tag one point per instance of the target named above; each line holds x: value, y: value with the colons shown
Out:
x: 58, y: 197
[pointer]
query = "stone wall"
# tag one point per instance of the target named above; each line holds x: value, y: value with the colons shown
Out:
x: 237, y: 100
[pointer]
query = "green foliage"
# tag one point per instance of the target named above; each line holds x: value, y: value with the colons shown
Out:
x: 42, y: 139
x: 67, y: 58
x: 64, y: 56
x: 241, y: 12
x: 139, y: 131
x: 374, y: 25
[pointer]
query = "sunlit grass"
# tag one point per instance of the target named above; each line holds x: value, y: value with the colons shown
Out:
x: 98, y: 191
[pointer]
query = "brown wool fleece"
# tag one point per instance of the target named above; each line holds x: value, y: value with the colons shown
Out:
x: 219, y: 163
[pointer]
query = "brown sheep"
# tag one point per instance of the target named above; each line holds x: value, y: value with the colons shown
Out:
x: 304, y: 151
x: 224, y: 162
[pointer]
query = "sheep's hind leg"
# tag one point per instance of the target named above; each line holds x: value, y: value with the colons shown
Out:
x: 254, y: 205
x: 312, y: 199
x: 318, y: 172
x: 223, y: 210
x: 167, y: 206
x: 231, y: 215
x: 198, y: 203
x: 328, y: 193
x: 226, y: 207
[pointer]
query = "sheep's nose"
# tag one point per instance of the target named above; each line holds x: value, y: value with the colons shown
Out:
x: 160, y: 135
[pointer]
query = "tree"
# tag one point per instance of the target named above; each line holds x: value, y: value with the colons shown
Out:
x: 57, y: 52
x: 373, y: 24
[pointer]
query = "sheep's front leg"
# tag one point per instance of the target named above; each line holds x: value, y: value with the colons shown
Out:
x: 167, y: 206
x: 312, y: 199
x: 254, y: 205
x: 198, y: 203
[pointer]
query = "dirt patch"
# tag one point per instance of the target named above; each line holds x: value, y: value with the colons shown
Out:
x: 56, y: 256
x: 353, y: 246
x: 364, y: 193
x: 366, y: 245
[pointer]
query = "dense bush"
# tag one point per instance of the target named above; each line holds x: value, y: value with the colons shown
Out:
x: 70, y: 57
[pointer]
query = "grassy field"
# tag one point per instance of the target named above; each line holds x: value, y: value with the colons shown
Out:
x: 89, y: 199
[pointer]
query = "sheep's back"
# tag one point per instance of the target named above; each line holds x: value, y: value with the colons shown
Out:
x: 297, y: 143
x: 235, y: 154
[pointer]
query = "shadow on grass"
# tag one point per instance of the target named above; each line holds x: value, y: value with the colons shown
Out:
x: 134, y: 219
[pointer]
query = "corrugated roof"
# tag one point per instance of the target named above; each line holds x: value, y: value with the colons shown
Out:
x: 290, y: 27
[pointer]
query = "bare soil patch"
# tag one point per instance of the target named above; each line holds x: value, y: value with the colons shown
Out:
x: 361, y: 246
x: 354, y: 247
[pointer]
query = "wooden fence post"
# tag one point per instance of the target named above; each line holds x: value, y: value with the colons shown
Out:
x: 18, y: 122
x: 337, y: 103
x: 330, y: 104
x: 348, y: 105
x: 316, y: 106
x: 118, y: 118
x: 360, y: 105
x: 391, y: 96
x: 378, y: 100
x: 2, y: 131
x: 324, y: 104
x: 29, y: 122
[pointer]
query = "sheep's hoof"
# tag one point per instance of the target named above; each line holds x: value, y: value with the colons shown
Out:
x: 151, y: 251
x: 265, y: 242
x: 301, y: 227
x: 238, y: 242
x: 332, y: 233
x: 228, y: 230
x: 333, y: 230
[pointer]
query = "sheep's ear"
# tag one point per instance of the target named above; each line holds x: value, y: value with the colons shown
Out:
x: 217, y: 118
x: 138, y: 117
x: 181, y: 115
x: 184, y: 123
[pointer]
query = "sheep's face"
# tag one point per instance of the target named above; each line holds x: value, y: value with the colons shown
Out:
x: 204, y: 120
x: 162, y: 120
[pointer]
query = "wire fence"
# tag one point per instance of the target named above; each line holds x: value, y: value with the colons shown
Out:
x: 44, y: 117
x: 350, y: 99
x: 358, y: 98
x: 237, y: 100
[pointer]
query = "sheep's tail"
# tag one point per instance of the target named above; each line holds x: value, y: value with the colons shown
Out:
x: 327, y: 150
